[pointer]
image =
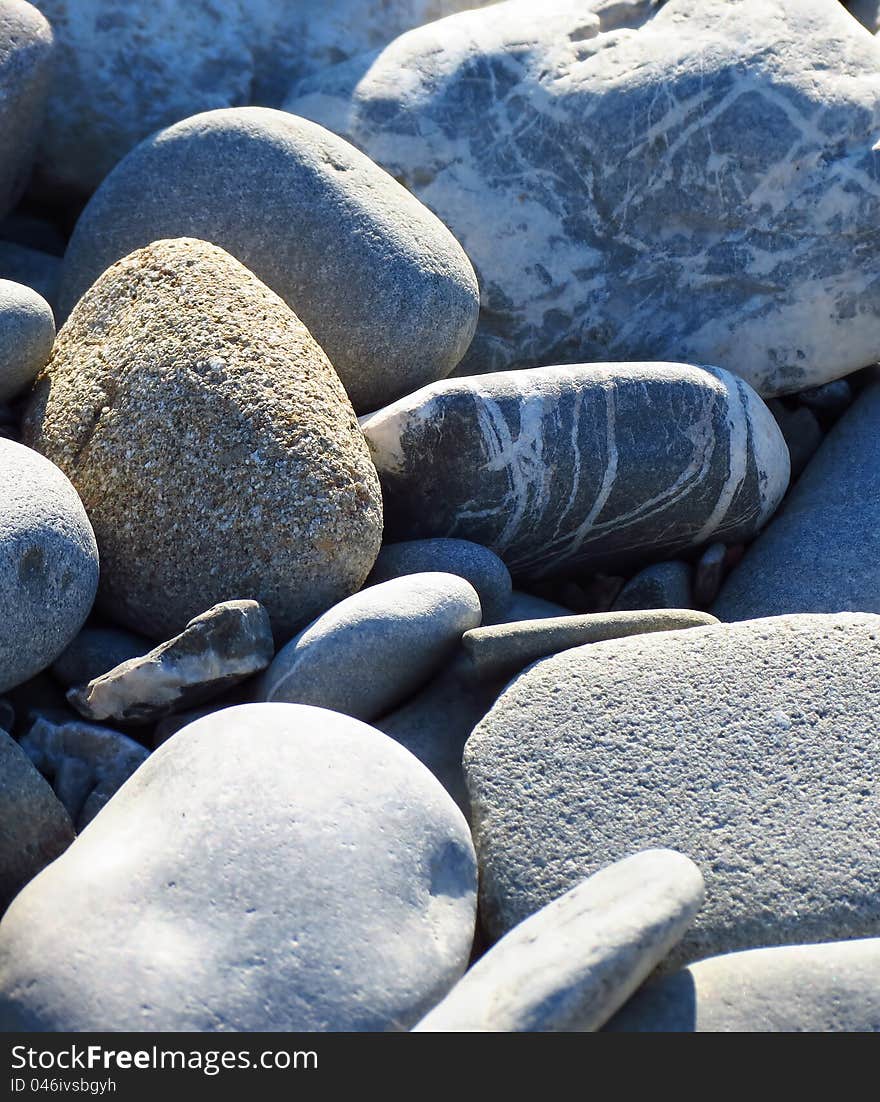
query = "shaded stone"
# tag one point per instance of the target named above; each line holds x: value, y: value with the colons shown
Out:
x: 709, y: 574
x: 7, y: 716
x: 526, y: 606
x: 751, y: 748
x: 567, y: 968
x: 828, y: 400
x: 586, y: 465
x: 85, y: 764
x: 660, y: 585
x: 94, y: 651
x: 38, y: 270
x: 215, y: 456
x: 27, y: 331
x: 867, y: 12
x: 802, y: 433
x: 272, y: 868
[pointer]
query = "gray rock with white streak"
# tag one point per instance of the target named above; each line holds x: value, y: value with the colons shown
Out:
x: 216, y: 650
x: 367, y: 654
x: 85, y: 764
x: 27, y: 332
x: 749, y: 747
x: 585, y: 465
x: 697, y: 180
x: 830, y: 988
x: 569, y: 967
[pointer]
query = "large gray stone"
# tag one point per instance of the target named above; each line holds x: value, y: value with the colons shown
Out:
x: 380, y: 282
x: 832, y: 988
x: 27, y: 332
x: 48, y: 563
x: 586, y: 465
x: 822, y: 552
x: 211, y: 441
x: 370, y: 652
x: 751, y: 748
x: 692, y: 181
x: 34, y: 827
x: 272, y: 868
x: 25, y: 73
x: 568, y: 968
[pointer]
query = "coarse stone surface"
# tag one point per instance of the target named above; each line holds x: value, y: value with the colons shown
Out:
x: 211, y: 442
x: 271, y: 868
x: 750, y: 748
x: 27, y: 331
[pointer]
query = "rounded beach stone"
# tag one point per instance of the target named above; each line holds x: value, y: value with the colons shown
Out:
x: 271, y: 868
x: 27, y: 331
x: 48, y: 563
x: 211, y: 441
x: 380, y: 282
x: 477, y: 565
x: 748, y: 747
x: 31, y: 267
x: 370, y: 652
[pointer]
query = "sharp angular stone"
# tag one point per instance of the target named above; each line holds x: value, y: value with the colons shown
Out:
x: 34, y: 827
x: 568, y: 968
x: 85, y: 764
x: 272, y: 868
x: 370, y: 652
x: 751, y: 748
x: 822, y: 552
x: 661, y: 585
x: 380, y: 282
x: 27, y: 331
x: 477, y: 565
x: 698, y: 180
x: 832, y: 988
x: 215, y: 456
x: 48, y: 563
x: 95, y: 651
x: 580, y: 466
x: 216, y: 650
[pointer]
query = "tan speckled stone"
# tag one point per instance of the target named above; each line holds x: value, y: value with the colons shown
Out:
x: 211, y: 441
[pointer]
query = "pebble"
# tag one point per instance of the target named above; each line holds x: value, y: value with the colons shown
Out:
x: 215, y: 461
x: 580, y: 466
x: 370, y: 652
x: 272, y: 868
x: 216, y: 650
x: 94, y: 651
x: 746, y: 747
x: 709, y: 574
x: 567, y: 968
x: 660, y: 585
x: 27, y: 332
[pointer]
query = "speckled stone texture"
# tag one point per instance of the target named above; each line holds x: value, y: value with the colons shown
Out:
x: 568, y: 968
x: 211, y: 441
x: 48, y: 563
x: 751, y: 748
x: 822, y: 552
x: 25, y: 73
x: 271, y: 868
x: 692, y: 181
x: 581, y: 466
x: 27, y: 331
x: 382, y: 285
x: 833, y: 988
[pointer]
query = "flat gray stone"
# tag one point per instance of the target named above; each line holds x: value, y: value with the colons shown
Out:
x: 660, y: 585
x: 272, y: 868
x: 749, y: 747
x: 477, y: 565
x: 504, y: 649
x: 27, y: 332
x: 370, y: 652
x: 378, y: 280
x: 582, y: 466
x: 569, y: 967
x: 85, y: 764
x: 94, y: 651
x: 832, y: 988
x: 34, y: 827
x: 48, y: 563
x: 217, y: 649
x: 822, y: 552
x: 686, y: 181
x: 35, y: 269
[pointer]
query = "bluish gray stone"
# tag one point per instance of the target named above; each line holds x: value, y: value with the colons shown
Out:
x: 27, y: 332
x: 582, y: 466
x: 567, y: 968
x: 477, y: 565
x: 691, y: 181
x: 367, y: 654
x: 35, y: 269
x: 802, y: 433
x: 380, y: 282
x: 822, y: 552
x: 709, y: 574
x: 751, y: 748
x: 831, y: 988
x: 526, y: 606
x: 272, y: 868
x: 48, y: 563
x: 867, y: 12
x: 95, y: 651
x: 660, y: 585
x: 830, y: 399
